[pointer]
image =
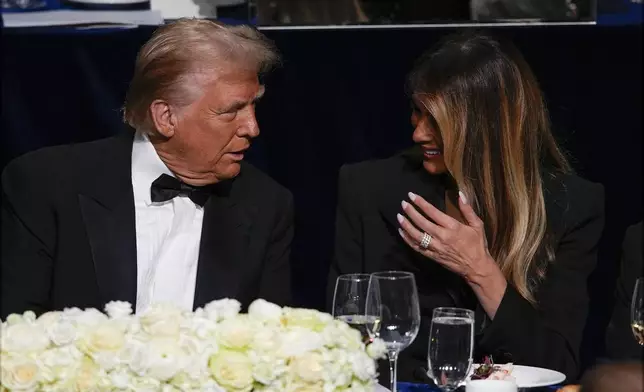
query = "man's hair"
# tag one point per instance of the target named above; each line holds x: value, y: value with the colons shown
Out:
x: 169, y: 64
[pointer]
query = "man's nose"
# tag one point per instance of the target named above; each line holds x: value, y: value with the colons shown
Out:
x: 249, y: 127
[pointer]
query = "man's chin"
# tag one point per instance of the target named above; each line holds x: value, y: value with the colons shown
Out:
x: 230, y: 172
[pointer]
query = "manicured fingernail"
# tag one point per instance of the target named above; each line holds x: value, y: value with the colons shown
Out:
x: 400, y: 232
x: 462, y: 196
x: 412, y: 196
x: 400, y: 218
x: 404, y: 204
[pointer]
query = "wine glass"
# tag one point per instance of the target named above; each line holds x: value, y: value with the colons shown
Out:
x: 637, y: 311
x: 392, y: 300
x: 451, y: 344
x: 349, y: 300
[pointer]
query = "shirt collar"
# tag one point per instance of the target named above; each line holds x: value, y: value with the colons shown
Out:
x: 146, y: 167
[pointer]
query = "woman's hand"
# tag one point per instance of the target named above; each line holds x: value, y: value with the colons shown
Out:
x: 461, y: 248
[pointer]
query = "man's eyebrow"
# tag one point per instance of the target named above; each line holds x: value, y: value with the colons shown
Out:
x: 238, y: 105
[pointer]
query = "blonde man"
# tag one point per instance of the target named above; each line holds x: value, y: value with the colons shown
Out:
x: 166, y: 212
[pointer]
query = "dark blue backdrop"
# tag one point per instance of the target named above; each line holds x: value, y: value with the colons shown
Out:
x: 339, y: 98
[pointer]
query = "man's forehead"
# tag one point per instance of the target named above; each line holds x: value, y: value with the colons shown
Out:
x: 235, y: 86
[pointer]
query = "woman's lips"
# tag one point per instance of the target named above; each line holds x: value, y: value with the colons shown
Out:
x: 432, y: 153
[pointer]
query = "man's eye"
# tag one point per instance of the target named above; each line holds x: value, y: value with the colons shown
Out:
x: 229, y: 115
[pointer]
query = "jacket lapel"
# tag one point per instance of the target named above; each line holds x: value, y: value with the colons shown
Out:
x: 225, y: 237
x: 413, y: 179
x: 107, y: 208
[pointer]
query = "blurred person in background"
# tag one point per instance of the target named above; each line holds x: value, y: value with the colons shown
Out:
x: 620, y: 342
x: 617, y: 377
x: 341, y: 12
x: 484, y: 210
x: 546, y: 10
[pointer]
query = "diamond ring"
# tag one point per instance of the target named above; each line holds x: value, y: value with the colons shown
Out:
x: 424, y: 242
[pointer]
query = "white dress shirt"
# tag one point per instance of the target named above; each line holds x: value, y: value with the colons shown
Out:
x: 167, y: 235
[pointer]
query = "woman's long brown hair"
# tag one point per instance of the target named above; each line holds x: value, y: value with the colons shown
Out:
x: 497, y: 144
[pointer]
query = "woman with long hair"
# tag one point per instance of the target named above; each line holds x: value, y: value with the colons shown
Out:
x: 484, y: 210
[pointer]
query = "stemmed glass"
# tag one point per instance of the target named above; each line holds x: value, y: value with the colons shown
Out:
x: 349, y: 302
x: 451, y: 345
x: 392, y: 299
x: 637, y: 311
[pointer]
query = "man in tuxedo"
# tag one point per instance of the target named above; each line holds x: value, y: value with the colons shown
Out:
x: 165, y: 212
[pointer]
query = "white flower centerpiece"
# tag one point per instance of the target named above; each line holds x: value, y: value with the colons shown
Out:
x: 215, y: 349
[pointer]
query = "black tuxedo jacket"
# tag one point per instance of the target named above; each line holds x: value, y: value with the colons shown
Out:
x: 548, y: 336
x: 621, y: 343
x: 68, y: 232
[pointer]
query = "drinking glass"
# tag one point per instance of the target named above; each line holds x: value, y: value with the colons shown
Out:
x: 637, y: 311
x: 349, y: 302
x: 451, y: 344
x: 392, y: 299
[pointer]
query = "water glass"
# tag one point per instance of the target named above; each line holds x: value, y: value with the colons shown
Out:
x: 637, y: 311
x: 451, y: 345
x: 392, y: 299
x: 349, y: 302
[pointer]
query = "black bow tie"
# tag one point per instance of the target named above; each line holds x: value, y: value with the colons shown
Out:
x: 166, y: 188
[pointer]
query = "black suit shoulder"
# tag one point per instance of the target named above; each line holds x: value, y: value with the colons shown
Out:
x: 262, y: 192
x: 572, y: 201
x: 377, y: 173
x: 61, y: 164
x: 633, y: 245
x: 252, y: 177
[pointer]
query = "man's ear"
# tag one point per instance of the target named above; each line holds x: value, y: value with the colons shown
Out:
x: 163, y: 117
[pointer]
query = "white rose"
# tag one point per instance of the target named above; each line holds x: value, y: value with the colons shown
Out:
x: 19, y: 374
x: 301, y: 386
x: 201, y: 326
x: 60, y: 362
x: 62, y: 332
x: 266, y: 340
x: 120, y: 379
x: 118, y: 309
x: 338, y: 368
x: 368, y: 386
x: 13, y: 319
x: 106, y: 360
x: 210, y: 385
x: 306, y: 318
x: 265, y: 312
x: 232, y: 370
x: 264, y: 372
x: 266, y: 368
x: 24, y: 337
x: 298, y: 341
x: 72, y: 313
x: 309, y: 367
x: 161, y: 320
x: 89, y: 377
x: 29, y: 316
x: 46, y: 320
x: 89, y: 317
x: 164, y: 359
x: 222, y: 309
x: 144, y: 384
x: 363, y: 366
x: 342, y: 335
x: 377, y: 349
x: 235, y: 333
x: 106, y: 337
